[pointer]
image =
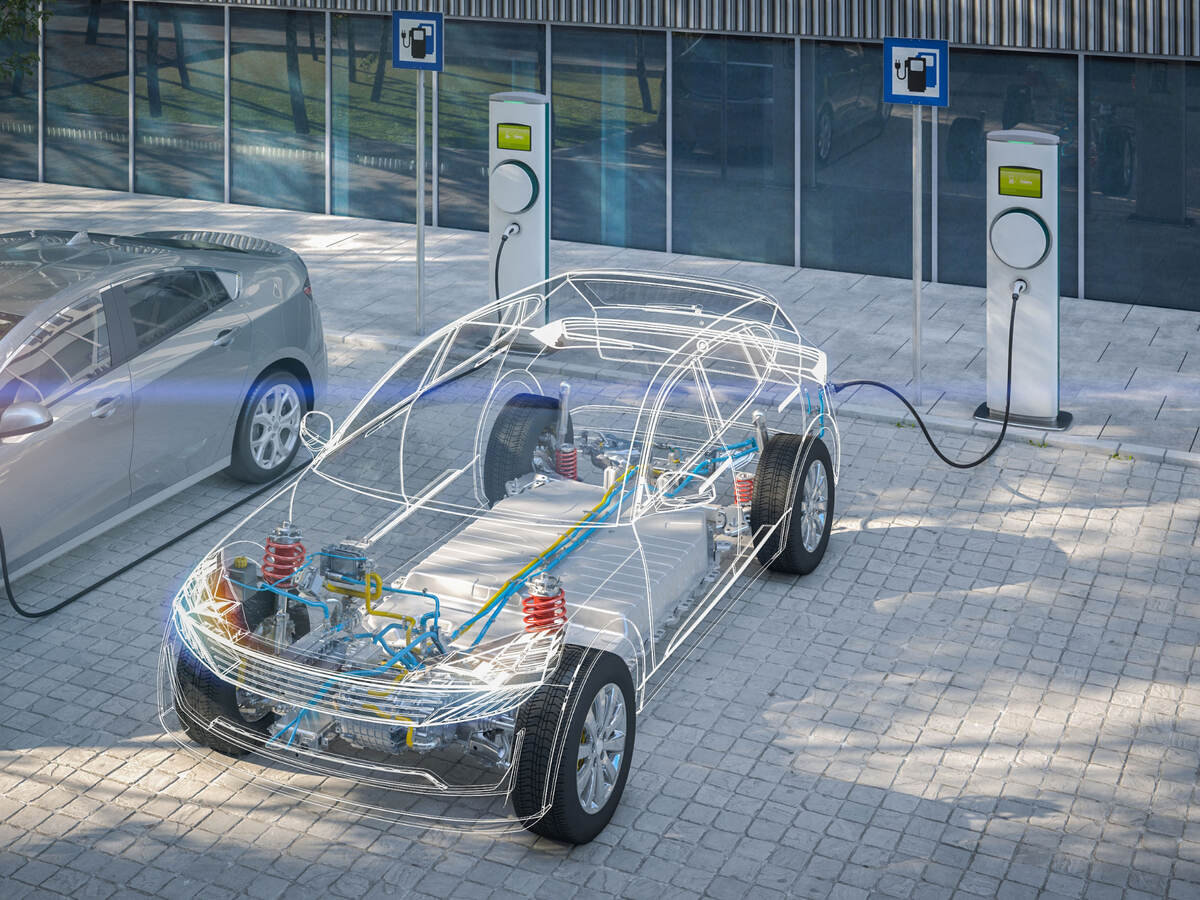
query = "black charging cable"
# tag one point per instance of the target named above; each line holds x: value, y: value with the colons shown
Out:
x: 79, y: 595
x: 1019, y: 287
x: 512, y: 230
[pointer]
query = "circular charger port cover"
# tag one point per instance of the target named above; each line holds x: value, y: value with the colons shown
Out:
x: 1020, y: 238
x: 514, y: 186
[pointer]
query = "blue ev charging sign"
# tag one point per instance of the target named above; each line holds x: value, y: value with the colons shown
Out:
x: 417, y: 41
x: 916, y: 72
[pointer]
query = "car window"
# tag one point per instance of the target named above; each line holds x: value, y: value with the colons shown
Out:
x: 167, y: 302
x: 68, y: 350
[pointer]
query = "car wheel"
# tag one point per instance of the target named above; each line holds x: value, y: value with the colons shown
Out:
x: 578, y: 737
x: 965, y: 147
x: 202, y: 699
x: 268, y: 429
x: 525, y: 425
x: 793, y: 483
x: 824, y: 135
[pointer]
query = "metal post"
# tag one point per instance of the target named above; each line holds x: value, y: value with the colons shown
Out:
x: 917, y: 249
x: 129, y: 63
x: 1080, y: 175
x: 934, y: 264
x: 797, y: 156
x: 41, y: 101
x: 433, y: 154
x: 669, y: 112
x: 420, y: 173
x: 328, y: 113
x: 226, y: 109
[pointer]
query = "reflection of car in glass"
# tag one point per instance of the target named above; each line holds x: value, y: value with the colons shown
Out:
x: 131, y: 367
x: 467, y: 593
x: 849, y: 110
x: 1049, y: 105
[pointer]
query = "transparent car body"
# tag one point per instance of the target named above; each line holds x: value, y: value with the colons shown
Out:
x: 413, y: 578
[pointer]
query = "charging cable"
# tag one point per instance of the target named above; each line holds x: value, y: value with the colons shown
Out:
x: 79, y: 595
x: 1019, y: 287
x: 512, y: 230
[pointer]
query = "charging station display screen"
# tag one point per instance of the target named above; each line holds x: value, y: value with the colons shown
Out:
x: 1019, y: 181
x: 514, y: 137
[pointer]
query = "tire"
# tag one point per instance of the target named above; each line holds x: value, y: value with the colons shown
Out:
x: 549, y: 767
x: 276, y: 386
x: 1116, y: 162
x: 780, y: 482
x: 201, y: 697
x: 964, y: 148
x: 524, y: 422
x: 823, y: 136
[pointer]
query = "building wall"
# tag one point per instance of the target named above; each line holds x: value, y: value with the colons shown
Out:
x: 765, y: 148
x: 1168, y: 27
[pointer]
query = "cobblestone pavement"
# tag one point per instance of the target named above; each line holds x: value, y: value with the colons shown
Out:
x: 985, y: 690
x: 1130, y: 374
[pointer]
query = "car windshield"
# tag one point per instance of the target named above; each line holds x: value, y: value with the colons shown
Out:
x: 672, y: 382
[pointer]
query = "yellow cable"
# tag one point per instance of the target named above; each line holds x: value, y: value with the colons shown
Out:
x: 558, y: 543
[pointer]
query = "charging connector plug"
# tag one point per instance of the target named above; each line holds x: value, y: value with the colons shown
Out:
x: 1019, y: 287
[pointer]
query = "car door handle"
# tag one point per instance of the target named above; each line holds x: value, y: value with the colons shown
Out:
x: 225, y: 337
x: 105, y: 407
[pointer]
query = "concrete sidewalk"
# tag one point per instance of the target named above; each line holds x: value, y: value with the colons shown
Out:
x: 1130, y: 375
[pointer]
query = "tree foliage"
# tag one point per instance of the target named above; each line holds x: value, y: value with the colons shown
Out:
x: 18, y: 29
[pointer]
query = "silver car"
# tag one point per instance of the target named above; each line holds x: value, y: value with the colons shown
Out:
x: 133, y: 367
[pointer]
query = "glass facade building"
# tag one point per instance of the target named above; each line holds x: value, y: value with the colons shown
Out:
x: 762, y: 148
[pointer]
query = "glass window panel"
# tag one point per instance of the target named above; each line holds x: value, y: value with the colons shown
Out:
x: 374, y: 110
x: 277, y: 108
x: 734, y: 151
x: 1142, y: 221
x: 856, y: 157
x: 609, y: 154
x: 179, y: 94
x: 87, y: 94
x: 160, y: 305
x: 482, y: 58
x: 18, y: 112
x: 69, y: 349
x: 991, y: 91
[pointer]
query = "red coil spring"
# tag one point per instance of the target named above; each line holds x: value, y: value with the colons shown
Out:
x: 281, y: 560
x: 566, y: 461
x: 544, y: 613
x: 743, y: 488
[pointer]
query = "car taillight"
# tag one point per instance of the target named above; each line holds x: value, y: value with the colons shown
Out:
x: 307, y: 289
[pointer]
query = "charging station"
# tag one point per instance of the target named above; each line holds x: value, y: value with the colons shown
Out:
x: 1022, y: 262
x: 518, y: 191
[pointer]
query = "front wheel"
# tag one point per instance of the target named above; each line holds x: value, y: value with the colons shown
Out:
x: 793, y: 486
x: 268, y: 430
x: 578, y: 737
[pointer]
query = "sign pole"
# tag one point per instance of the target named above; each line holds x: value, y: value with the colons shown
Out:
x: 918, y: 236
x: 417, y: 43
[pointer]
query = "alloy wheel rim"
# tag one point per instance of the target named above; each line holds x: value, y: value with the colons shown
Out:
x: 814, y: 506
x: 601, y: 748
x: 824, y: 136
x: 275, y: 426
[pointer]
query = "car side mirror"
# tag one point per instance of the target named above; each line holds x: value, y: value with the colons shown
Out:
x: 316, y: 430
x: 24, y: 418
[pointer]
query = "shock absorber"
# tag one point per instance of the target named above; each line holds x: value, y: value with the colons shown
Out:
x: 566, y: 461
x: 544, y: 607
x: 743, y: 488
x: 284, y: 554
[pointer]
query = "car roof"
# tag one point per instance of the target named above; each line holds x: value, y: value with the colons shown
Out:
x: 37, y: 265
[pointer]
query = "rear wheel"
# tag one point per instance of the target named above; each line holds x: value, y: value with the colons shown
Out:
x: 578, y: 737
x: 268, y: 429
x: 202, y: 699
x: 793, y: 486
x: 524, y: 429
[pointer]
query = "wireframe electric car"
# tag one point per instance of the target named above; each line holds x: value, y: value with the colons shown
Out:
x: 132, y: 367
x: 467, y: 594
